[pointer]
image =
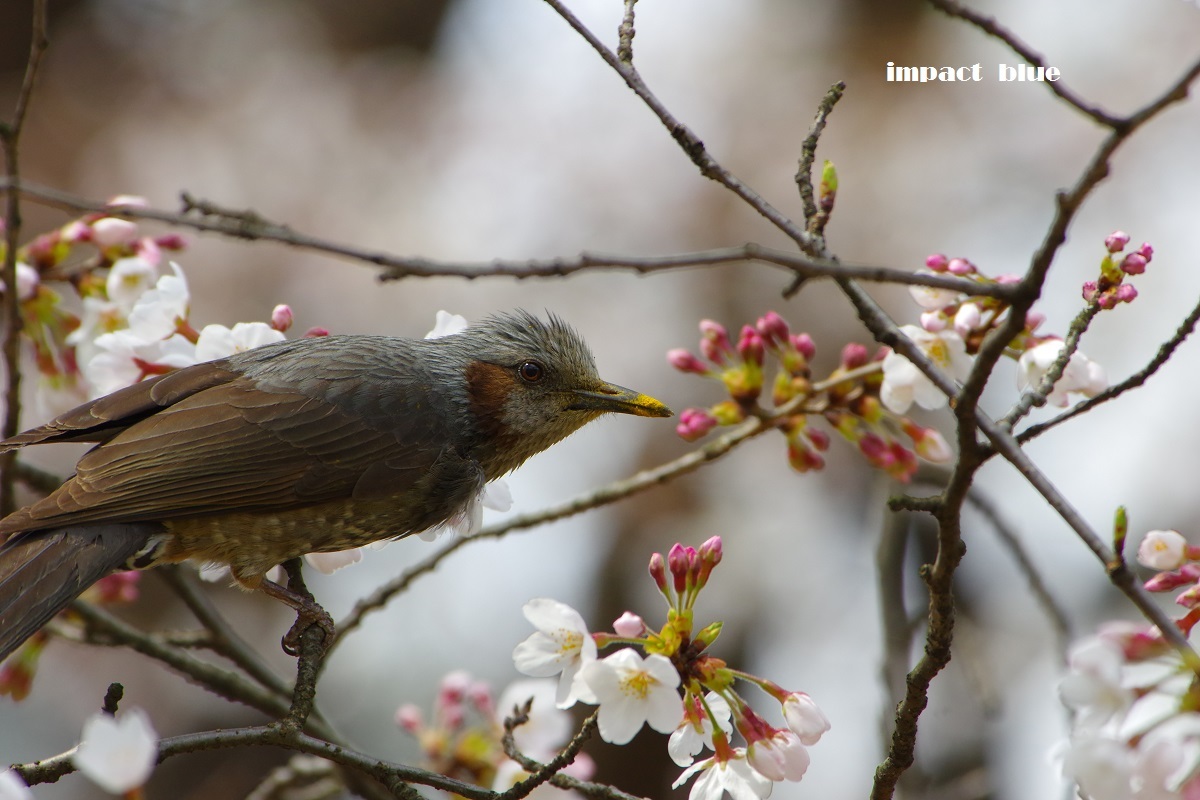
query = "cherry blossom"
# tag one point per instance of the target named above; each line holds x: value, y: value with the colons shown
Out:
x: 560, y: 646
x: 633, y: 691
x: 903, y: 383
x: 1162, y: 550
x: 117, y: 754
x: 732, y: 774
x: 1081, y: 375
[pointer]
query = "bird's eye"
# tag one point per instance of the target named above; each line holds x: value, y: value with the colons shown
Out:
x: 531, y: 371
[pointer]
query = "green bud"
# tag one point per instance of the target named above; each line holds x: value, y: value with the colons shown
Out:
x: 1120, y: 529
x: 709, y: 634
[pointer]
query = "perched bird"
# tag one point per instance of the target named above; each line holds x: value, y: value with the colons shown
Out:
x: 305, y: 446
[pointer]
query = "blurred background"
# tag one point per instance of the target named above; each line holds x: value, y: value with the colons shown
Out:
x: 481, y: 129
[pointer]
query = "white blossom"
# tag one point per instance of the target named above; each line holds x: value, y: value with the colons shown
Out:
x: 128, y: 280
x: 157, y: 313
x: 560, y: 646
x: 120, y: 357
x: 903, y: 383
x: 1092, y: 687
x: 782, y: 757
x: 1162, y: 550
x: 733, y: 775
x: 687, y: 740
x: 805, y: 718
x: 1101, y: 766
x: 117, y: 754
x: 1081, y: 375
x: 217, y: 341
x: 447, y: 324
x: 632, y: 691
x: 932, y: 298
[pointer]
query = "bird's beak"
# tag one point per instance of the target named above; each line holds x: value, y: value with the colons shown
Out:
x: 617, y: 399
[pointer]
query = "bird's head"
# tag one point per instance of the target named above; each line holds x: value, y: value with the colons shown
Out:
x: 532, y: 383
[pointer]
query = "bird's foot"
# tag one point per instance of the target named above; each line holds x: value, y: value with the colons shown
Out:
x: 308, y: 612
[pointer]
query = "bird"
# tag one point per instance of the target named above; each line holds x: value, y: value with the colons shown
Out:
x: 304, y: 446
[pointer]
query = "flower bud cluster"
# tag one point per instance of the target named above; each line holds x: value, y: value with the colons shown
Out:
x: 632, y: 689
x: 1110, y: 290
x: 849, y: 399
x: 1134, y: 697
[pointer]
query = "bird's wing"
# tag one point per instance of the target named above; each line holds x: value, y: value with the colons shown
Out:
x: 103, y: 418
x: 229, y: 446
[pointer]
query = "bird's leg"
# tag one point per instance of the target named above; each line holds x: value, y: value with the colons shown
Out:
x: 308, y: 611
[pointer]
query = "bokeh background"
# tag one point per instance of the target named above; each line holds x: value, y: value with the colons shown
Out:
x: 481, y: 129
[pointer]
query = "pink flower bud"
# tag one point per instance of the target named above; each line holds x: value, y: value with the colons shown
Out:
x: 960, y: 267
x: 677, y: 562
x: 171, y: 241
x: 658, y: 571
x: 932, y: 446
x: 1172, y: 580
x: 75, y: 232
x: 314, y: 332
x: 819, y: 439
x: 1115, y: 242
x: 110, y: 232
x: 1034, y: 320
x: 629, y: 625
x: 855, y: 355
x: 454, y: 686
x: 804, y: 345
x: 937, y: 262
x: 281, y: 318
x: 804, y: 718
x: 1090, y: 291
x: 802, y: 459
x: 773, y: 328
x: 933, y: 321
x: 694, y: 423
x: 714, y: 342
x: 119, y: 587
x: 1146, y: 251
x: 875, y: 449
x: 1134, y: 264
x: 409, y: 718
x: 684, y: 361
x: 750, y: 346
x: 1126, y: 293
x: 712, y: 550
x: 967, y: 319
x: 1107, y: 301
x: 1007, y: 279
x: 480, y: 695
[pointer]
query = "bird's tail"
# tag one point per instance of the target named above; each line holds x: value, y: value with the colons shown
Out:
x: 41, y: 572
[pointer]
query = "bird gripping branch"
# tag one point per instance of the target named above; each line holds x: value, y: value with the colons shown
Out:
x: 309, y: 445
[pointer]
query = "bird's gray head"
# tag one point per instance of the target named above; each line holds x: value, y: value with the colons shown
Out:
x: 532, y: 383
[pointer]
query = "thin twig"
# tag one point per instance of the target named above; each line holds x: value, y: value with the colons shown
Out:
x: 10, y: 142
x: 252, y: 226
x: 992, y: 28
x: 689, y: 142
x: 625, y: 34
